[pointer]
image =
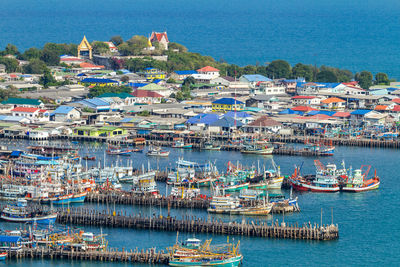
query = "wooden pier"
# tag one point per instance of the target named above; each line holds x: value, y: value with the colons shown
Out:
x: 111, y: 255
x: 192, y: 224
x: 128, y: 198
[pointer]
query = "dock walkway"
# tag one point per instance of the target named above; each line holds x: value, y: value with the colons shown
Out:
x: 192, y: 224
x: 110, y: 255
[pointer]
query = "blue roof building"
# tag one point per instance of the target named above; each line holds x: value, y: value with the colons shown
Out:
x: 185, y: 72
x: 226, y: 123
x: 98, y: 81
x: 227, y: 104
x: 254, y: 78
x: 96, y: 103
x: 65, y: 113
x: 206, y: 119
x: 360, y: 112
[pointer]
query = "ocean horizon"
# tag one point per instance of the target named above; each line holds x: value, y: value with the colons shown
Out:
x: 356, y: 35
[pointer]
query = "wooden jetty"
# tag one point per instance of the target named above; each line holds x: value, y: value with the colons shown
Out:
x: 111, y: 255
x: 129, y: 198
x: 192, y: 224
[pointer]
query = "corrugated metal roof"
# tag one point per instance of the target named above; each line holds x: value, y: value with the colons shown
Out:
x: 203, y: 118
x: 256, y: 78
x: 360, y: 112
x: 185, y: 72
x: 227, y: 101
x: 227, y: 122
x: 98, y: 80
x: 62, y: 110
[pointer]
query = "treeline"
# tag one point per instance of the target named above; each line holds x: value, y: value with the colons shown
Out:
x: 39, y: 59
x: 179, y: 58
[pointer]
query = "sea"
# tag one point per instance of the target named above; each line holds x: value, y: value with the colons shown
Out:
x: 368, y: 222
x: 356, y: 35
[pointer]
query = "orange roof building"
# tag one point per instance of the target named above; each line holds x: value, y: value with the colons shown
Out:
x: 209, y: 70
x: 161, y: 38
x: 333, y: 103
x: 381, y: 107
x: 332, y: 100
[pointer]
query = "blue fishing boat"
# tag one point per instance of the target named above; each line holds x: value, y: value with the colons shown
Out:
x: 61, y: 200
x: 193, y: 253
x: 3, y: 256
x: 78, y: 197
x: 19, y: 213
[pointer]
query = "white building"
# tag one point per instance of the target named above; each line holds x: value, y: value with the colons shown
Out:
x: 34, y: 114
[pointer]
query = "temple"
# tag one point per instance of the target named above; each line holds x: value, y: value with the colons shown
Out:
x: 85, y: 49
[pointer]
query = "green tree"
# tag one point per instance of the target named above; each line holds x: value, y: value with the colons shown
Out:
x: 326, y: 76
x: 47, y: 79
x: 303, y: 71
x: 364, y: 79
x: 100, y: 47
x: 249, y: 69
x: 10, y: 63
x: 35, y: 66
x: 31, y: 53
x: 179, y: 96
x: 278, y: 69
x: 99, y: 90
x: 175, y: 46
x: 137, y: 43
x: 116, y: 40
x: 50, y: 56
x: 11, y: 50
x: 171, y: 80
x: 189, y: 81
x: 382, y: 78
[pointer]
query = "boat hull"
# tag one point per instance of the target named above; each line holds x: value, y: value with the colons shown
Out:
x: 231, y: 262
x: 49, y: 219
x: 361, y: 189
x: 309, y: 187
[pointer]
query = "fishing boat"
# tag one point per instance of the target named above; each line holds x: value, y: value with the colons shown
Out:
x: 259, y: 210
x: 223, y: 204
x: 146, y: 185
x: 78, y: 197
x: 250, y: 194
x: 193, y: 253
x: 185, y: 192
x: 322, y: 148
x: 358, y: 180
x: 211, y: 146
x: 93, y: 242
x: 118, y: 151
x: 260, y: 147
x: 157, y: 152
x: 3, y: 256
x: 10, y: 244
x: 61, y: 199
x: 325, y: 180
x: 179, y: 143
x: 20, y: 213
x: 236, y: 186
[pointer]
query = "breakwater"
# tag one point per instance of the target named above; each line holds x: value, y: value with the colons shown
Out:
x: 111, y: 255
x: 192, y: 224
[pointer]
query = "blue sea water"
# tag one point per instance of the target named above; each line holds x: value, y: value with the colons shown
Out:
x: 368, y: 222
x: 356, y: 35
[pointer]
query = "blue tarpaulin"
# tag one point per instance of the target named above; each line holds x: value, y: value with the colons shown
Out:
x: 16, y: 153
